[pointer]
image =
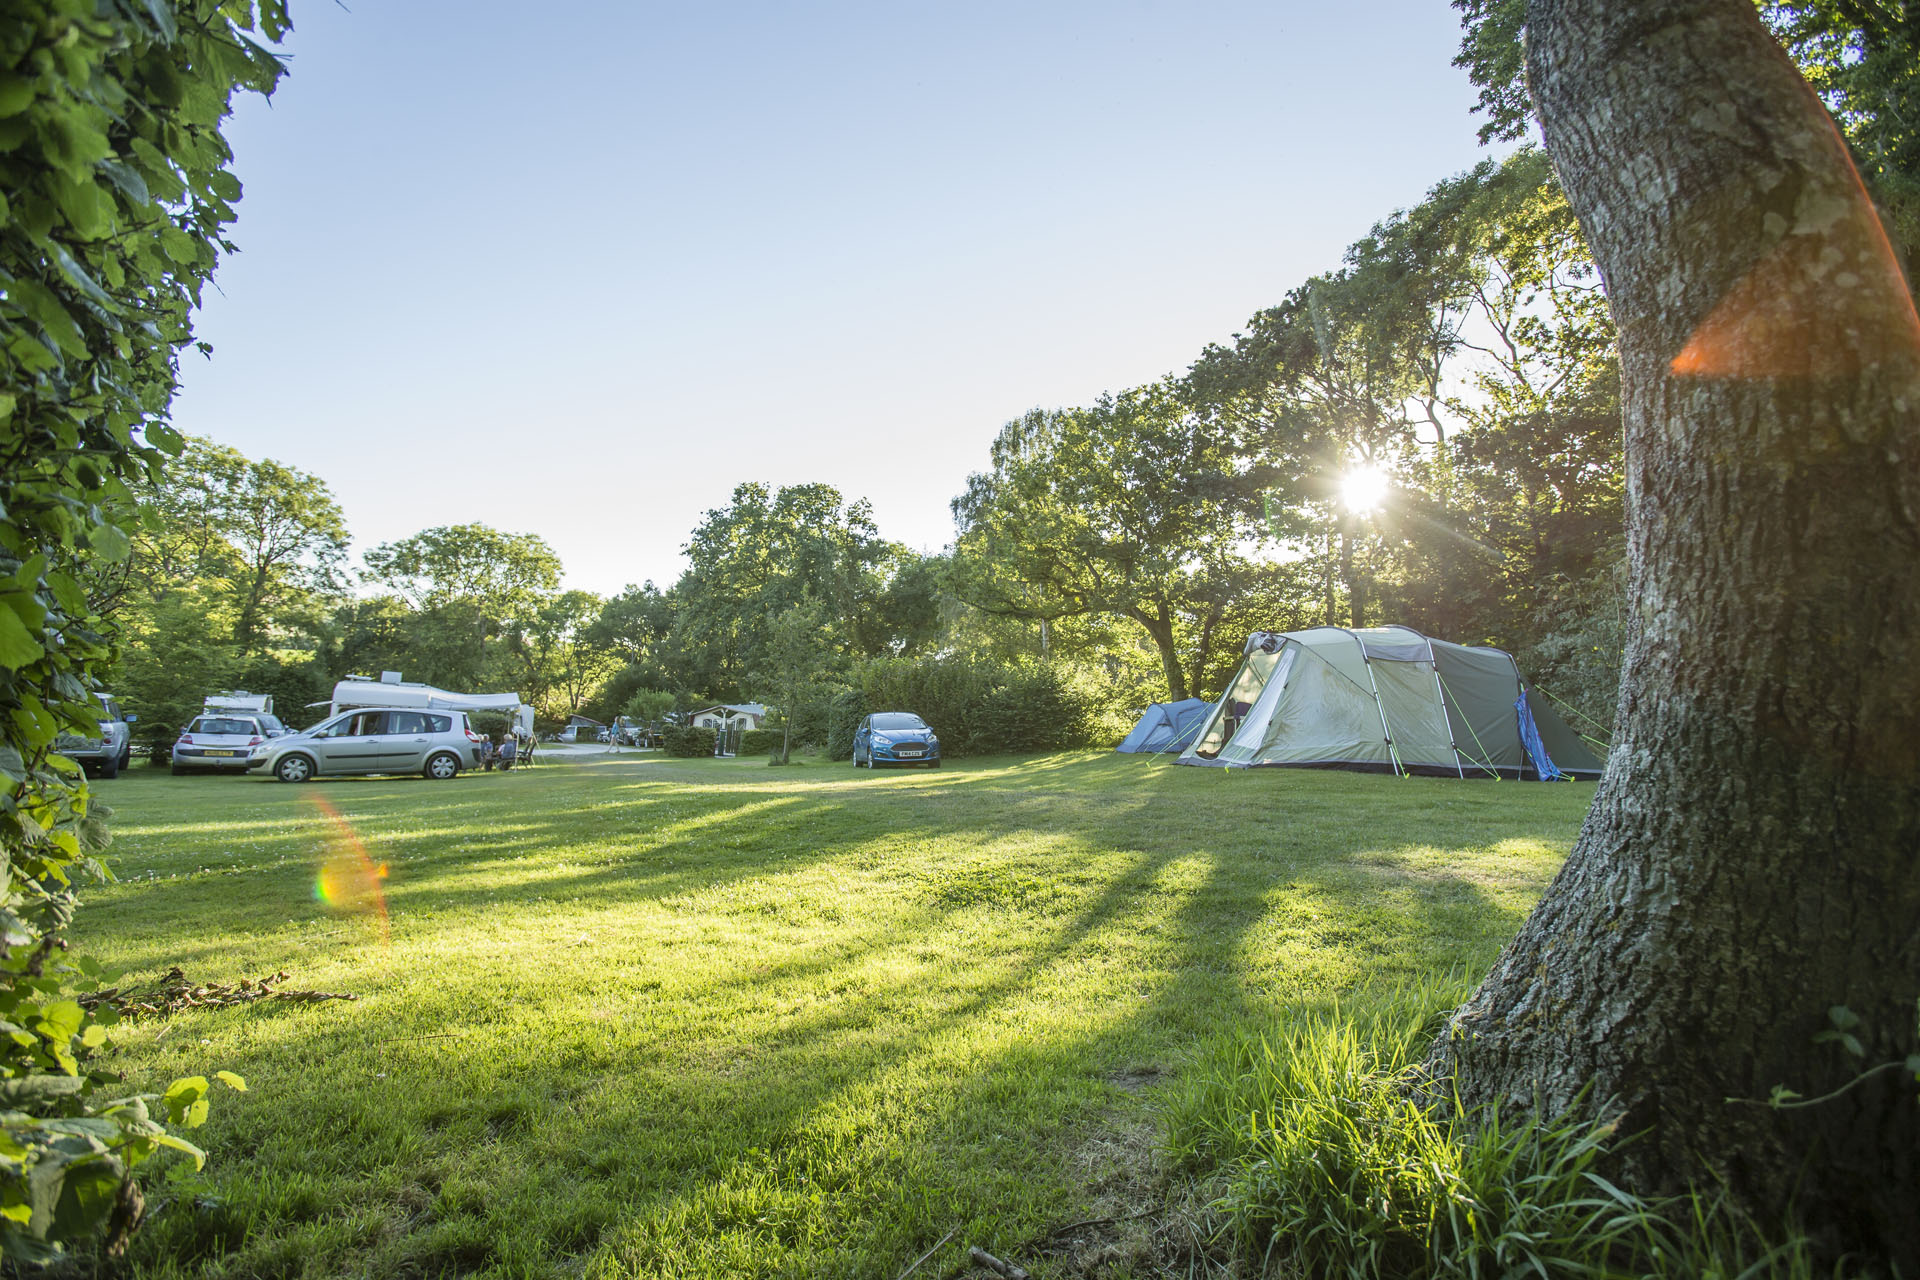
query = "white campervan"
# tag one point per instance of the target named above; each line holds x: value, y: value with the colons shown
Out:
x: 391, y: 691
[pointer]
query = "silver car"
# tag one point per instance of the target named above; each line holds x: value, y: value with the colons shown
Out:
x: 106, y: 755
x: 438, y: 744
x: 221, y: 743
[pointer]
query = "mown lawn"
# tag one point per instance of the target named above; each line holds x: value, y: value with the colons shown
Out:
x: 625, y: 1016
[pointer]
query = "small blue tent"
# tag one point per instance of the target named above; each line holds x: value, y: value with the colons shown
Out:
x: 1167, y: 726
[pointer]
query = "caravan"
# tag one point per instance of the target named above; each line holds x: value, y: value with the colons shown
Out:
x: 391, y: 691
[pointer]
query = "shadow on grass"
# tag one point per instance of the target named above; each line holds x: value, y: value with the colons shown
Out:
x: 1015, y: 932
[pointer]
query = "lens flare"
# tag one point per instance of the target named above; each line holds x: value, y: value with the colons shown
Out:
x: 349, y: 881
x: 1827, y: 301
x: 1364, y: 488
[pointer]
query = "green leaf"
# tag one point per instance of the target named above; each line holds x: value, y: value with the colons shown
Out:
x: 62, y: 1019
x: 128, y: 179
x: 76, y: 273
x: 16, y: 94
x: 181, y: 1144
x: 179, y: 246
x: 231, y: 1080
x: 186, y: 1098
x: 162, y: 14
x: 18, y: 647
x: 110, y: 543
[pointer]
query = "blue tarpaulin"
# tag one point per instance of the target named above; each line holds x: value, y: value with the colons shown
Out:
x: 1536, y: 750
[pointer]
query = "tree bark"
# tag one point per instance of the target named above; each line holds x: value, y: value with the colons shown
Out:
x: 1354, y: 578
x: 1160, y: 629
x: 1752, y: 858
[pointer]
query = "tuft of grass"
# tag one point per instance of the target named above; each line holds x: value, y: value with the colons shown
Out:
x: 1329, y: 1165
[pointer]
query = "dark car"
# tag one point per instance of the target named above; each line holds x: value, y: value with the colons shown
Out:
x: 895, y: 737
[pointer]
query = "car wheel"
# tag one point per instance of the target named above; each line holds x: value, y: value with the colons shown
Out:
x: 293, y: 769
x: 933, y: 764
x: 442, y: 766
x: 177, y: 771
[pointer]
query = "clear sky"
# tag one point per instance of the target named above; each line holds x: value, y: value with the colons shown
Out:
x: 581, y: 278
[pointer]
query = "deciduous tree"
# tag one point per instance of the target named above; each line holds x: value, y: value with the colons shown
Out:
x: 1748, y: 868
x: 1134, y: 507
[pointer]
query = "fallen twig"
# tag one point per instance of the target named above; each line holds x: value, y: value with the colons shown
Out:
x: 442, y: 1035
x: 993, y: 1264
x: 175, y: 992
x: 1097, y: 1222
x: 928, y: 1254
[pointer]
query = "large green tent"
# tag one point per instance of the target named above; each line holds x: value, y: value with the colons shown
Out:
x: 1386, y: 698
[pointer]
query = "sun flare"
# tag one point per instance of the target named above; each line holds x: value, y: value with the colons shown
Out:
x: 1364, y: 488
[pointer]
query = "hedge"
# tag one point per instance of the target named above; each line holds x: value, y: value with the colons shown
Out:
x: 687, y: 741
x: 844, y: 714
x: 975, y: 707
x: 760, y: 742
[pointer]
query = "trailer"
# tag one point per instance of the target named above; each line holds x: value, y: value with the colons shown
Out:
x: 391, y: 691
x: 230, y: 701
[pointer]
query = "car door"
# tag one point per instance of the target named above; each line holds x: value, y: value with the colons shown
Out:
x: 863, y: 739
x: 403, y: 747
x: 353, y: 745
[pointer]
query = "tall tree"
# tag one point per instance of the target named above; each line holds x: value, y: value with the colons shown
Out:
x: 266, y: 538
x: 1861, y: 56
x: 796, y: 655
x: 1746, y: 879
x: 767, y: 551
x: 470, y: 591
x: 1337, y: 380
x: 1134, y: 507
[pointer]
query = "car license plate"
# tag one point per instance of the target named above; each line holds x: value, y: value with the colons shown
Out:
x: 217, y: 753
x: 909, y: 752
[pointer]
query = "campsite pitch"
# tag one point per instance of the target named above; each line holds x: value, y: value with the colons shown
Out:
x: 624, y: 1016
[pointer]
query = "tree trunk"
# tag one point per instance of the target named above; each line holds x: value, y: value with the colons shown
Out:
x: 1160, y: 629
x: 1750, y: 860
x: 1354, y: 578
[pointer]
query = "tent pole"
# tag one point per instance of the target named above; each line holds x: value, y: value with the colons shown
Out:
x: 1453, y: 739
x: 1393, y: 752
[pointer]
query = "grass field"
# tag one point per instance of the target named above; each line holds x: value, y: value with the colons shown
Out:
x: 623, y: 1016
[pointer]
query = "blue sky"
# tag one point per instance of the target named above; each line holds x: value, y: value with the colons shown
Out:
x: 580, y: 279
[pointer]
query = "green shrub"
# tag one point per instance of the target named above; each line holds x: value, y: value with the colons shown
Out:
x: 975, y: 707
x: 1335, y: 1168
x: 490, y: 724
x: 118, y: 200
x: 687, y: 741
x: 844, y: 714
x: 1034, y: 710
x: 759, y: 742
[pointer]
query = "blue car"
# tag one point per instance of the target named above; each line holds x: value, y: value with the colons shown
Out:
x: 895, y: 737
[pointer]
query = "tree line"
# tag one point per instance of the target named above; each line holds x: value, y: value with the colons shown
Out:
x: 1462, y: 356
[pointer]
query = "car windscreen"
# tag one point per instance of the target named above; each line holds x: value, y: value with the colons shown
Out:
x: 898, y: 720
x: 210, y: 724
